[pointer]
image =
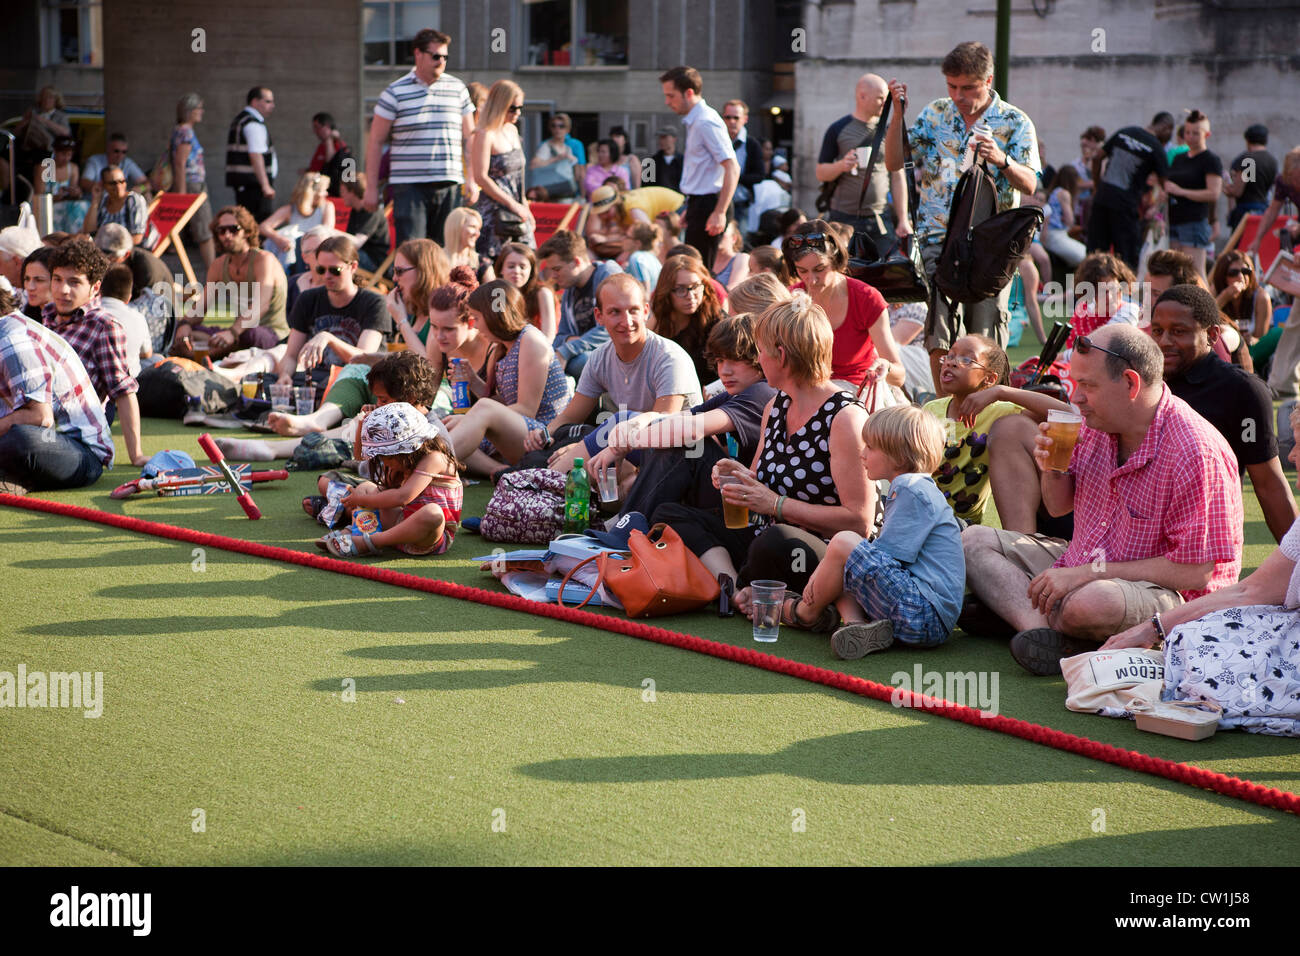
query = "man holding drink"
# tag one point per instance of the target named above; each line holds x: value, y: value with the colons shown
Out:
x: 1157, y: 506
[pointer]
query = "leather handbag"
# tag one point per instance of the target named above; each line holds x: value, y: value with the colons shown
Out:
x: 898, y: 275
x: 656, y: 575
x: 509, y: 224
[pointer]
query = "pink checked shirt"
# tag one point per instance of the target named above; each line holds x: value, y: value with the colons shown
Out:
x: 1177, y: 497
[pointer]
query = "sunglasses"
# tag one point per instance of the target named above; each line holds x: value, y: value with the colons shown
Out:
x: 515, y: 109
x: 436, y: 57
x: 1083, y: 345
x: 227, y: 230
x: 1240, y: 271
x: 332, y: 270
x: 810, y: 240
x: 115, y: 182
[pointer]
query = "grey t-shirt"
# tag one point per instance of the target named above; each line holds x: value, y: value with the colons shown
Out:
x: 845, y: 134
x: 661, y: 368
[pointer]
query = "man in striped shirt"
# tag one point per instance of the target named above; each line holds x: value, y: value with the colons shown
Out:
x: 430, y: 116
x: 53, y: 433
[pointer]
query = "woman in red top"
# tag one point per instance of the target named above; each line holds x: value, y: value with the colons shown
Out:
x: 865, y: 350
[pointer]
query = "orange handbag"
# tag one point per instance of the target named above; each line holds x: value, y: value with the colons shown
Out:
x: 656, y: 574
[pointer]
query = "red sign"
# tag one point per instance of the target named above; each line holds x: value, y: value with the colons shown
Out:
x: 171, y: 209
x: 1269, y: 248
x: 552, y: 217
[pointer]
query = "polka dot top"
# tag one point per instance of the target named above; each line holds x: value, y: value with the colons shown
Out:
x: 799, y: 465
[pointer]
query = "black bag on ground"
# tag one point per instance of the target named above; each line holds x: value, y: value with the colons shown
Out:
x: 983, y: 246
x: 166, y: 389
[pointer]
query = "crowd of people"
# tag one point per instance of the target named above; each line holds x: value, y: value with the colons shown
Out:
x: 866, y: 441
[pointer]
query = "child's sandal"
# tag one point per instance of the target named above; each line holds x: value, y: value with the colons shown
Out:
x: 342, y: 544
x: 827, y: 621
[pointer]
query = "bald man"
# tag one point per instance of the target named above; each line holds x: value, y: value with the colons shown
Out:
x: 840, y: 162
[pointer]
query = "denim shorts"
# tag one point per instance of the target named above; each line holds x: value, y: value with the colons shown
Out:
x: 1194, y: 234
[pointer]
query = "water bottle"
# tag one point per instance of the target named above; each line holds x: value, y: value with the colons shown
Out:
x: 459, y: 387
x: 577, y: 499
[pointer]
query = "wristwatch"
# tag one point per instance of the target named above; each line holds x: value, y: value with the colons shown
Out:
x: 1007, y: 164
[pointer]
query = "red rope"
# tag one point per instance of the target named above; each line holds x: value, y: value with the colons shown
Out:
x: 1131, y: 759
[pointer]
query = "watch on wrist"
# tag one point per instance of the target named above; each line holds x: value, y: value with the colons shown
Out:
x: 1158, y: 627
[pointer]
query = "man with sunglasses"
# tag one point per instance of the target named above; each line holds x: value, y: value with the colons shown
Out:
x: 1157, y: 513
x: 245, y: 279
x: 333, y: 323
x: 430, y: 116
x: 1184, y: 324
x: 115, y: 156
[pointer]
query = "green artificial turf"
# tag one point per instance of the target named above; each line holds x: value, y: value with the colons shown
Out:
x: 226, y: 681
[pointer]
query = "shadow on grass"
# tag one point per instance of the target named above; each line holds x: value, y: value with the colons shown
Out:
x: 1204, y: 846
x: 592, y: 657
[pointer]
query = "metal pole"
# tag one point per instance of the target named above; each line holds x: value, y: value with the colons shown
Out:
x: 1002, y: 47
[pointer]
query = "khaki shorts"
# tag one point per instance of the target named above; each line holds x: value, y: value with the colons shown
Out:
x: 1035, y: 553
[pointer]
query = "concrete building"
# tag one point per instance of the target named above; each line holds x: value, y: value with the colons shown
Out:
x: 1072, y: 65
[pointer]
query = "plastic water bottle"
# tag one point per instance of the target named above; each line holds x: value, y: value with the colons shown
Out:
x: 459, y: 387
x: 577, y: 499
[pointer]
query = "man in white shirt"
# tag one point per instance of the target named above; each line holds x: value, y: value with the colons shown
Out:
x: 709, y: 168
x: 251, y: 164
x: 430, y: 116
x: 114, y: 294
x: 116, y: 156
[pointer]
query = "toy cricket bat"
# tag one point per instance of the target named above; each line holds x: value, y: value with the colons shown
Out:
x: 206, y: 480
x: 217, y: 458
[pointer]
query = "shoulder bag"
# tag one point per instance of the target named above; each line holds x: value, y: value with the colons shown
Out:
x: 656, y: 575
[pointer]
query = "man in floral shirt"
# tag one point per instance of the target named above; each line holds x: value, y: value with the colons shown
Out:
x: 939, y: 140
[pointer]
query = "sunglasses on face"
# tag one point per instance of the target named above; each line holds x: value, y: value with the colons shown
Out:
x: 515, y: 109
x: 810, y: 240
x: 227, y: 230
x: 435, y: 57
x: 1239, y: 271
x: 1083, y: 345
x: 115, y: 182
x: 332, y: 270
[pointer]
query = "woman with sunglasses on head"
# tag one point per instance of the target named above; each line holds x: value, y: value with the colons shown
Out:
x: 308, y: 207
x: 517, y: 264
x: 1242, y: 300
x: 497, y: 160
x: 684, y: 308
x: 112, y: 201
x: 865, y: 351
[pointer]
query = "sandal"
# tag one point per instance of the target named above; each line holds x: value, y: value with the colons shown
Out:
x: 858, y: 640
x: 826, y: 622
x: 342, y: 544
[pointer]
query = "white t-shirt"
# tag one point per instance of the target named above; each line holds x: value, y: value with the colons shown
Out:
x: 661, y: 368
x: 257, y: 138
x: 136, y: 329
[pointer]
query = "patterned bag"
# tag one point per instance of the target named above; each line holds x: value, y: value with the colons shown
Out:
x: 527, y: 507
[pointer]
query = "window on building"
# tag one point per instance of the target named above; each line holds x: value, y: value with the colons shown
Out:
x: 388, y: 27
x: 73, y: 32
x: 576, y: 32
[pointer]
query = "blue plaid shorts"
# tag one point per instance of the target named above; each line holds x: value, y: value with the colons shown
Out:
x: 885, y: 590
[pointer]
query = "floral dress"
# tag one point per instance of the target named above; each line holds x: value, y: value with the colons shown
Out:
x: 507, y: 171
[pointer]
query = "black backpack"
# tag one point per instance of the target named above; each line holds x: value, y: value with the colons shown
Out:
x: 983, y: 246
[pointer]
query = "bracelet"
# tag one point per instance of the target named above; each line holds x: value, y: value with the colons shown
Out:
x: 1159, y: 628
x: 780, y: 504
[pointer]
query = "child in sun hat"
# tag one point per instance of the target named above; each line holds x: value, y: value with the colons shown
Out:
x: 417, y: 491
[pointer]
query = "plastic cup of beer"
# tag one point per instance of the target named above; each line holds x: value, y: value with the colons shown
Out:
x: 249, y: 388
x: 733, y: 516
x: 201, y: 354
x: 304, y: 399
x: 765, y: 609
x: 1063, y: 430
x: 397, y: 345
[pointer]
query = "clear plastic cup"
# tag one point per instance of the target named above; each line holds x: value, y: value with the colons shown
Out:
x: 281, y: 397
x: 765, y: 602
x: 607, y: 482
x: 733, y: 516
x: 1063, y: 430
x: 304, y: 399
